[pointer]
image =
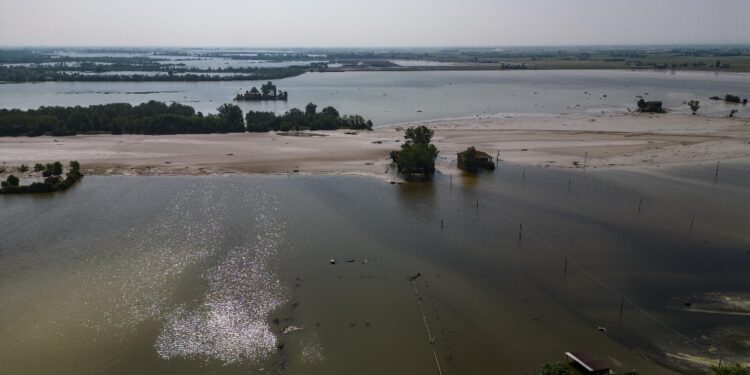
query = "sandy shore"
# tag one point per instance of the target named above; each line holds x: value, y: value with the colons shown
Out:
x: 563, y: 141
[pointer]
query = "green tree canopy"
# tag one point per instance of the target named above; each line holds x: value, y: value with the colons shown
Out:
x: 231, y: 115
x: 311, y: 109
x: 420, y: 135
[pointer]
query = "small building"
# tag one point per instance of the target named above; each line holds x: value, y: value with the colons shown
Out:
x: 472, y: 159
x: 650, y: 106
x: 587, y: 363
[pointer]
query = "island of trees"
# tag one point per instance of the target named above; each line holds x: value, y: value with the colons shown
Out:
x: 52, y: 179
x: 417, y: 156
x: 267, y: 91
x: 154, y: 118
x: 309, y: 119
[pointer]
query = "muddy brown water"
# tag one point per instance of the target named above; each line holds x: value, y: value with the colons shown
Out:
x: 201, y: 274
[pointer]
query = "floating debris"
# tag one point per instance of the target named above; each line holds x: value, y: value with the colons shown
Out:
x: 290, y: 328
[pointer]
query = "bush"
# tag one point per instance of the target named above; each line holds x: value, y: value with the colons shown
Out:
x: 554, y: 369
x: 38, y: 167
x: 694, y: 105
x: 23, y: 168
x: 735, y: 369
x: 12, y: 181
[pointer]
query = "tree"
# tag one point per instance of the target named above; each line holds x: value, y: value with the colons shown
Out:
x: 12, y: 181
x: 38, y: 167
x: 23, y: 168
x: 311, y: 109
x: 735, y: 369
x: 554, y: 369
x: 55, y: 168
x: 694, y: 105
x: 231, y: 116
x: 330, y: 111
x: 421, y: 135
x: 417, y: 154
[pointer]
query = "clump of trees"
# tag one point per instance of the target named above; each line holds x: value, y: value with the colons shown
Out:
x: 417, y: 155
x: 53, y: 180
x: 268, y: 91
x: 309, y: 119
x: 120, y: 118
x: 159, y: 118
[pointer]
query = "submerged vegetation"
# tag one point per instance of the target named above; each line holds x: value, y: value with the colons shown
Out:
x: 729, y: 98
x: 417, y: 155
x: 53, y: 181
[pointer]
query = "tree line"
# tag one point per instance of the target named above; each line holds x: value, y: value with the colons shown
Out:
x: 160, y: 118
x: 309, y: 119
x: 20, y: 74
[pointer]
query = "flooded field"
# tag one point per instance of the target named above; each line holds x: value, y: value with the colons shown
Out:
x: 497, y: 273
x: 395, y: 97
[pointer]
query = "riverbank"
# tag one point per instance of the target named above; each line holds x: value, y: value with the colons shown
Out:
x: 559, y: 141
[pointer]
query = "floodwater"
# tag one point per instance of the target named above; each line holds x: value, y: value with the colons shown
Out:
x: 395, y: 97
x: 189, y: 275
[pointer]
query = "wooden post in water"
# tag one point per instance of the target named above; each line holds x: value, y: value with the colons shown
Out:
x: 640, y: 202
x: 497, y: 158
x: 451, y: 181
x: 524, y: 173
x: 692, y: 222
x: 568, y: 185
x: 585, y: 160
x: 716, y: 175
x: 622, y: 303
x: 520, y: 230
x: 565, y: 267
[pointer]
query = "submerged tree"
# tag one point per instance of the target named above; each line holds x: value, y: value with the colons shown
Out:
x: 694, y: 105
x: 417, y: 154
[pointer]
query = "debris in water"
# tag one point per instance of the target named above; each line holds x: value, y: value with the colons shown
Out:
x: 333, y: 261
x: 290, y: 329
x: 412, y: 278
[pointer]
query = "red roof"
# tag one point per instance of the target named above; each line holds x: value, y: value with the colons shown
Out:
x: 588, y: 361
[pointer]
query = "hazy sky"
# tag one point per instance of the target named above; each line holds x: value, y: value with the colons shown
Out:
x: 341, y: 23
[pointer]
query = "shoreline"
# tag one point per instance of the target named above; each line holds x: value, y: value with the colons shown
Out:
x: 598, y: 141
